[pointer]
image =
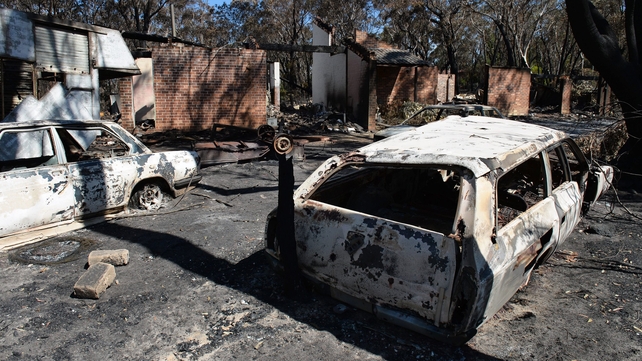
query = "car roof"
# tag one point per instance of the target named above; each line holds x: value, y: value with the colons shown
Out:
x: 464, y: 107
x: 459, y: 106
x: 44, y: 123
x: 478, y: 143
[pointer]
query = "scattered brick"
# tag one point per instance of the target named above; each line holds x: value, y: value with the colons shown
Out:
x: 116, y: 257
x: 95, y: 281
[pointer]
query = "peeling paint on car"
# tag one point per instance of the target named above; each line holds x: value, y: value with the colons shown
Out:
x: 437, y: 228
x: 82, y: 179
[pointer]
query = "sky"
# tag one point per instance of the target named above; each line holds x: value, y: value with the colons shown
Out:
x: 217, y: 2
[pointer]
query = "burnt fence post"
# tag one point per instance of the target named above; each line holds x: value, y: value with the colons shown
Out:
x: 285, y: 226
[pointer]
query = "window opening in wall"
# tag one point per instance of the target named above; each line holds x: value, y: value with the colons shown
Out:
x: 17, y: 83
x: 46, y: 81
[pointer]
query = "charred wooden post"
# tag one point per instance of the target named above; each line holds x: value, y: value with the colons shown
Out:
x: 285, y: 225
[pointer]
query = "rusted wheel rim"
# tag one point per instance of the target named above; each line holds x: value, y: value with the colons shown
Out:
x: 266, y: 133
x: 150, y: 197
x: 283, y: 144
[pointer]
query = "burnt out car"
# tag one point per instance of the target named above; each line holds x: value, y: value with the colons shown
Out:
x: 437, y: 228
x: 433, y: 113
x: 57, y: 176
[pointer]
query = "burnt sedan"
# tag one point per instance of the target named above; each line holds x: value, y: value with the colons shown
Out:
x: 433, y: 113
x: 437, y: 228
x: 58, y: 176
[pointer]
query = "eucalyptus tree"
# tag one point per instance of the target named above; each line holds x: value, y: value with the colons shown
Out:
x: 348, y: 16
x: 517, y: 22
x: 601, y: 44
x: 555, y: 50
x: 64, y: 9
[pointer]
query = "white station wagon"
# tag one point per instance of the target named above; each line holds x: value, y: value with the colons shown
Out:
x: 56, y: 176
x: 437, y: 228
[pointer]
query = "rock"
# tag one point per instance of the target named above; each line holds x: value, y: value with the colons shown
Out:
x: 95, y: 280
x: 116, y: 257
x: 601, y: 229
x: 340, y: 309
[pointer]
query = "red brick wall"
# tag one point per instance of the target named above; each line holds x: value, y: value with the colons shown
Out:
x: 566, y: 86
x: 509, y: 90
x: 445, y: 87
x: 370, y: 41
x: 427, y: 84
x: 196, y: 87
x: 126, y: 105
x: 400, y: 84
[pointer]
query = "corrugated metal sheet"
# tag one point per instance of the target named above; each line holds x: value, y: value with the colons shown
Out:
x: 397, y: 57
x: 61, y: 50
x: 17, y: 83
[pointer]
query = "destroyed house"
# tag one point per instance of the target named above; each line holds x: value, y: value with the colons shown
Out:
x: 191, y: 87
x: 50, y: 68
x: 371, y: 75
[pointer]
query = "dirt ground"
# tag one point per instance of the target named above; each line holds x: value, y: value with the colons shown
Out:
x: 198, y: 287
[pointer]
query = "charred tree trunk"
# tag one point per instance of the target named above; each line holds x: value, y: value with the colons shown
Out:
x: 598, y: 42
x: 510, y: 54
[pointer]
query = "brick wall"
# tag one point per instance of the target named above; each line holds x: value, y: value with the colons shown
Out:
x: 196, y: 87
x: 566, y: 86
x: 370, y: 41
x: 509, y: 90
x: 445, y: 87
x: 126, y: 105
x: 427, y: 84
x: 400, y: 84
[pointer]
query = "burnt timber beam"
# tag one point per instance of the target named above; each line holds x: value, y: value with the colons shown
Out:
x: 298, y: 48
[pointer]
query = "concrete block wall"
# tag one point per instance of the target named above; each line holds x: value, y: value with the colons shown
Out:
x: 196, y: 87
x: 509, y: 90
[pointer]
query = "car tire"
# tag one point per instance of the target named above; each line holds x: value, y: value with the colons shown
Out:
x: 147, y: 197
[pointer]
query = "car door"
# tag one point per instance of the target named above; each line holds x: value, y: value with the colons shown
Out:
x: 374, y: 237
x: 100, y: 167
x: 565, y: 191
x: 34, y: 187
x: 527, y: 223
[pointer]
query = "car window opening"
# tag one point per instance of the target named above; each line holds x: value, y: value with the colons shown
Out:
x: 88, y: 144
x: 26, y: 149
x: 423, y: 197
x: 519, y: 189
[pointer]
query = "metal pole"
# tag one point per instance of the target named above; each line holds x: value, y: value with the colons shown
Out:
x: 171, y: 10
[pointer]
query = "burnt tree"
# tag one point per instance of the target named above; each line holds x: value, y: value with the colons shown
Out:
x: 599, y: 43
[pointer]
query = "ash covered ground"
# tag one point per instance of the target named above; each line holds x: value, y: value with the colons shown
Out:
x: 198, y: 287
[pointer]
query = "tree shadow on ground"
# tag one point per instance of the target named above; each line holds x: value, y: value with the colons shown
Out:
x: 256, y: 277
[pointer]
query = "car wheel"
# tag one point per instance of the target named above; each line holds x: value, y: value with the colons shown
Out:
x: 148, y: 197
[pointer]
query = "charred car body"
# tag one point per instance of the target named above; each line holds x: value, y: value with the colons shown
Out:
x: 433, y: 113
x: 55, y: 174
x: 436, y: 229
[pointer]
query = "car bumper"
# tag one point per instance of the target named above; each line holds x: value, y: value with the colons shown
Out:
x: 187, y: 181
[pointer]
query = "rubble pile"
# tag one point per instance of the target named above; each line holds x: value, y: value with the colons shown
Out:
x: 597, y: 136
x: 315, y: 119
